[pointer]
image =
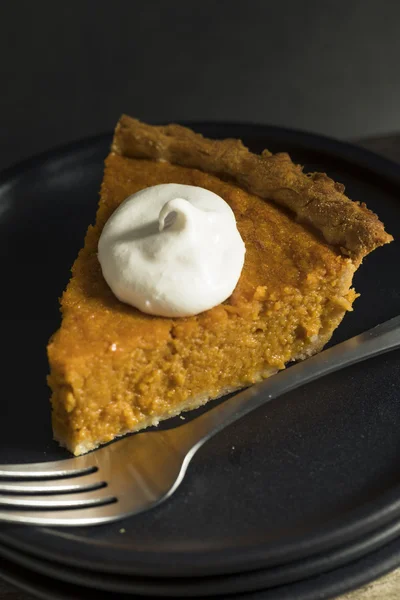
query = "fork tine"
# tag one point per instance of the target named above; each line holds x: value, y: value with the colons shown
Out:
x: 59, y: 468
x: 90, y: 498
x: 75, y: 484
x: 93, y: 515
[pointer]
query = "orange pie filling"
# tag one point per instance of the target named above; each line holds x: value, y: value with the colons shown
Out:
x: 115, y: 369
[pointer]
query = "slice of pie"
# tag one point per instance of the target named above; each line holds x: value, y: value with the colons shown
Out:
x: 115, y: 370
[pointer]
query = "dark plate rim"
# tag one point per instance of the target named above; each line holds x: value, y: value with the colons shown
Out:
x: 251, y: 581
x: 326, y: 585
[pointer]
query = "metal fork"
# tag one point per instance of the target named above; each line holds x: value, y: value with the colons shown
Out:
x: 138, y: 472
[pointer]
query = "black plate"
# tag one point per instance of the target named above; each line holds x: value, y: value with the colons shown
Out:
x: 311, y: 471
x: 327, y: 585
x: 184, y: 587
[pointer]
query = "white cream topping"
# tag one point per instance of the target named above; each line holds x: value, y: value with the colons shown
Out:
x: 172, y: 250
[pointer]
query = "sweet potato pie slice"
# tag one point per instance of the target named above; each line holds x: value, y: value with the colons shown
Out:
x: 116, y: 370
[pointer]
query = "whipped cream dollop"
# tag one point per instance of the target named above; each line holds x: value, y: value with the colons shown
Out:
x: 172, y: 250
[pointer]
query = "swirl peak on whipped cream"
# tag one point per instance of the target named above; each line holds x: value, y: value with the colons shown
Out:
x: 172, y: 250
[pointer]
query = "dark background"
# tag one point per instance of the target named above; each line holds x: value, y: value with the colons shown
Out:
x: 68, y: 69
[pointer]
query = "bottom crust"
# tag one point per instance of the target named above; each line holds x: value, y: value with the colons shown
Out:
x: 197, y: 401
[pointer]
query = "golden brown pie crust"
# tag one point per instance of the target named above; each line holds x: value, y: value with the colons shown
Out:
x: 314, y: 198
x: 115, y: 369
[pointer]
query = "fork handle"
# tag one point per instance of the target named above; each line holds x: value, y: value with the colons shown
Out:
x: 380, y: 339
